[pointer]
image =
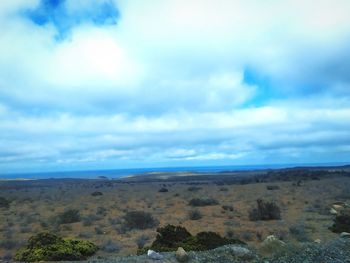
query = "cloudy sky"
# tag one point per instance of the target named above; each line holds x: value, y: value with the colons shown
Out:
x: 100, y: 84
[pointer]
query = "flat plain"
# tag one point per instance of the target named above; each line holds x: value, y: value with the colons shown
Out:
x: 97, y: 209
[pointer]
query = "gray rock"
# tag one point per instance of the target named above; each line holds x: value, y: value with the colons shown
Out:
x: 154, y: 255
x: 345, y: 235
x: 271, y: 245
x: 181, y: 255
x: 332, y: 211
x: 240, y: 252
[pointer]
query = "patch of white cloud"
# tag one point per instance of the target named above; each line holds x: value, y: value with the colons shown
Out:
x: 167, y: 83
x: 240, y: 136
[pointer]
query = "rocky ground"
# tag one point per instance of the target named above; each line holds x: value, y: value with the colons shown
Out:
x: 336, y: 251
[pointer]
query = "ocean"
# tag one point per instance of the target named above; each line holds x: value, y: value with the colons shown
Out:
x: 117, y: 173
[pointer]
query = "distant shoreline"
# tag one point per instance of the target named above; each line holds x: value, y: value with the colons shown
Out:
x: 132, y: 173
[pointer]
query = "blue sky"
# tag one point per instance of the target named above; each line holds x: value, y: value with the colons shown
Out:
x: 100, y: 84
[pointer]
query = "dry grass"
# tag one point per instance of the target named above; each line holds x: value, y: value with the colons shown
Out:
x: 35, y: 209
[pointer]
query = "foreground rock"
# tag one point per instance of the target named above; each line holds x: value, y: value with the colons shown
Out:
x: 336, y: 251
x: 271, y: 245
x: 181, y: 255
x: 154, y: 255
x: 345, y: 235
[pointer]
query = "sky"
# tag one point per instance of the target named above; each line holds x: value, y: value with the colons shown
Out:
x: 107, y: 84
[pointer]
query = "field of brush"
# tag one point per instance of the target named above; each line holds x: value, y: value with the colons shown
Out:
x: 103, y: 211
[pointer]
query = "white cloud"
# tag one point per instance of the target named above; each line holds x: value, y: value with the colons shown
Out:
x: 239, y: 136
x: 168, y: 82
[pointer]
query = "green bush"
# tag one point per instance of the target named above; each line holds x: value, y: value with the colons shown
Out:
x: 69, y: 216
x: 110, y: 247
x: 139, y: 220
x: 49, y: 247
x: 194, y: 188
x: 171, y: 237
x: 299, y: 232
x: 96, y: 193
x: 265, y: 211
x: 341, y: 222
x: 228, y: 208
x: 194, y: 215
x: 4, y: 202
x: 203, y: 202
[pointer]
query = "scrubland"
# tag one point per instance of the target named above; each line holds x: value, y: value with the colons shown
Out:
x: 121, y: 216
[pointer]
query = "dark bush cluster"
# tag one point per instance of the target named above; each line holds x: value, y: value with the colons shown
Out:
x: 89, y: 220
x: 139, y: 220
x: 171, y: 237
x: 49, y: 247
x: 110, y: 247
x: 341, y: 222
x: 163, y: 190
x: 69, y: 216
x: 227, y: 208
x: 194, y: 188
x: 96, y: 193
x: 4, y: 203
x: 101, y: 211
x: 265, y: 211
x: 203, y: 202
x: 6, y: 257
x: 272, y: 187
x: 7, y: 244
x: 194, y: 215
x: 299, y: 233
x: 141, y: 241
x: 99, y: 231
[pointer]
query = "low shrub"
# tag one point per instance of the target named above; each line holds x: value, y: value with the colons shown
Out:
x: 227, y: 207
x: 272, y: 187
x: 139, y: 220
x: 25, y: 229
x: 114, y: 221
x: 265, y: 211
x: 299, y: 233
x: 203, y: 202
x: 49, y: 247
x: 341, y: 222
x: 247, y: 236
x: 211, y: 240
x: 89, y: 220
x: 4, y: 203
x: 101, y: 211
x: 194, y: 188
x: 171, y: 237
x: 99, y: 231
x: 110, y: 247
x: 194, y: 215
x: 69, y: 216
x: 96, y: 193
x: 163, y: 190
x: 141, y: 241
x: 7, y: 244
x: 85, y: 235
x: 6, y: 257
